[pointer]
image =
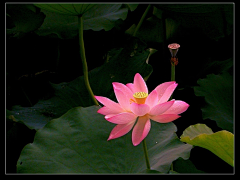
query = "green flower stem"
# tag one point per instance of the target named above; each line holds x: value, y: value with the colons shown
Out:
x: 172, y: 72
x: 146, y: 154
x: 172, y: 79
x: 83, y: 58
x: 141, y: 20
x: 172, y: 76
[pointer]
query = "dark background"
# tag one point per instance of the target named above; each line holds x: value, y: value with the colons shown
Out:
x: 33, y: 61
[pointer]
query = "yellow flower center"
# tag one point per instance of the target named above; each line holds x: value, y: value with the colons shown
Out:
x: 140, y: 97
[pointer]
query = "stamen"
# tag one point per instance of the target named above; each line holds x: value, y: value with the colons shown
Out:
x: 140, y: 97
x: 132, y: 100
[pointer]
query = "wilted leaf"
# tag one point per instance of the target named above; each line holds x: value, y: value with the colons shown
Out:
x: 77, y: 143
x: 219, y: 143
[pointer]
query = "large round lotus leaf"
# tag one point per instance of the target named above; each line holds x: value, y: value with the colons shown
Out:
x: 77, y: 143
x: 62, y: 19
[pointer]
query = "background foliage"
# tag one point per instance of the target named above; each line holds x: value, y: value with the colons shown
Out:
x: 44, y: 73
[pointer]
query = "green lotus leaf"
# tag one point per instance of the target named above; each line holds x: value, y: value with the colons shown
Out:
x: 62, y: 19
x: 185, y: 166
x: 219, y: 143
x: 77, y: 143
x: 218, y: 93
x: 68, y: 9
x: 24, y: 17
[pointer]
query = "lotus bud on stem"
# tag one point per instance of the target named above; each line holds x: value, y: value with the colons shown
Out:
x: 173, y: 48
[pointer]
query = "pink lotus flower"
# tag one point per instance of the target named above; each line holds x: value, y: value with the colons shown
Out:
x: 134, y: 103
